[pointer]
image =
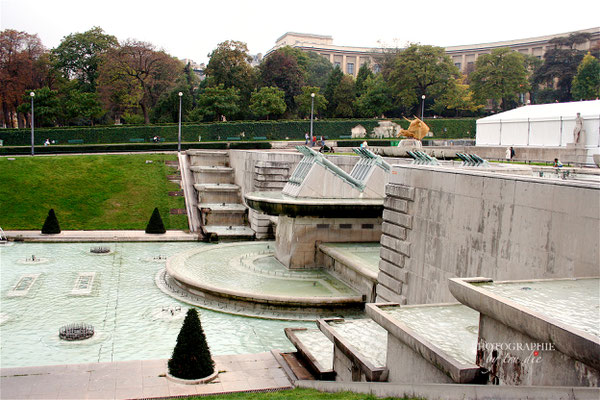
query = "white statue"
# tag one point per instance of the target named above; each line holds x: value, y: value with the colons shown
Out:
x: 578, y: 132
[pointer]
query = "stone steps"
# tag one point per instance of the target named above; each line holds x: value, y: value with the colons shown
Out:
x: 233, y: 232
x: 223, y: 213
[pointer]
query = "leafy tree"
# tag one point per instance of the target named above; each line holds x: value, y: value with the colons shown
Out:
x: 153, y: 72
x: 155, y: 225
x: 586, y: 84
x: 559, y: 68
x: 364, y: 72
x: 78, y: 56
x: 304, y: 101
x: 500, y: 76
x: 51, y: 225
x: 46, y: 106
x: 268, y: 101
x: 315, y: 68
x: 119, y: 93
x: 344, y: 97
x: 376, y: 98
x: 217, y: 102
x: 229, y: 65
x: 21, y: 69
x: 459, y: 99
x: 191, y: 357
x: 419, y: 70
x: 334, y: 79
x: 167, y: 107
x: 281, y: 69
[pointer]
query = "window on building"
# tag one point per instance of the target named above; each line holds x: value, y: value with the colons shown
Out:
x: 457, y: 65
x: 337, y: 64
x: 376, y: 68
x: 350, y: 68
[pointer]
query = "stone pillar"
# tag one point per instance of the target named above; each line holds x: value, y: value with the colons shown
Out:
x: 344, y: 66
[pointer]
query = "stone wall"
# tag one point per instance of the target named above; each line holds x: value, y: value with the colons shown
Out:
x: 441, y: 222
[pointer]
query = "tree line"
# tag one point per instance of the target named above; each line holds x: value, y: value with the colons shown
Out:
x: 92, y: 78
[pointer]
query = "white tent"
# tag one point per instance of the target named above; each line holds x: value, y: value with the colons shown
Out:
x: 541, y: 125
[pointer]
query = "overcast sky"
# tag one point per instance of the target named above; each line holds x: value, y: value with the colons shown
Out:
x: 192, y: 29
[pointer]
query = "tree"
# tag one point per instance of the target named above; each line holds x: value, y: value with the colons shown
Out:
x: 51, y: 225
x: 334, y: 79
x: 281, y: 69
x: 150, y: 72
x: 268, y: 101
x: 460, y: 99
x: 78, y: 56
x: 21, y: 69
x: 559, y: 68
x: 344, y: 97
x: 191, y: 357
x: 167, y: 107
x: 304, y: 101
x: 419, y: 70
x: 217, y: 102
x: 500, y: 76
x: 229, y: 65
x: 376, y: 98
x: 315, y: 68
x: 364, y: 72
x: 155, y: 225
x: 47, y: 106
x: 586, y: 84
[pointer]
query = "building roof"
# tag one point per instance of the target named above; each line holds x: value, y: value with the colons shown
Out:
x: 552, y: 111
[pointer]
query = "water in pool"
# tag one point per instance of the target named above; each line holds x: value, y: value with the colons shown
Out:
x: 114, y: 292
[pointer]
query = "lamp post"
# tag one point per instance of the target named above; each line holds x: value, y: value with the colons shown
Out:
x: 312, y: 109
x: 179, y: 130
x: 422, y: 106
x: 32, y: 94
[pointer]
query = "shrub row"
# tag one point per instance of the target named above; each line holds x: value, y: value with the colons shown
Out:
x: 271, y: 130
x: 129, y: 147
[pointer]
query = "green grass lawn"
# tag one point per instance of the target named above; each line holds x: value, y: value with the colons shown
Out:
x: 295, y: 394
x: 88, y: 192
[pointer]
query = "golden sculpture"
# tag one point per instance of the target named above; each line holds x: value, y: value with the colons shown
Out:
x: 417, y: 129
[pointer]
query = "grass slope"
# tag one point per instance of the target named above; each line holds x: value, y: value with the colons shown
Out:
x: 88, y: 192
x: 296, y: 394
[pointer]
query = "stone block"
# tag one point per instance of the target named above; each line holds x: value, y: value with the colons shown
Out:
x: 392, y: 256
x: 396, y: 204
x: 401, y: 246
x: 386, y: 295
x: 534, y: 195
x: 397, y: 218
x: 389, y: 282
x: 469, y: 185
x: 393, y: 270
x: 400, y: 191
x: 393, y: 230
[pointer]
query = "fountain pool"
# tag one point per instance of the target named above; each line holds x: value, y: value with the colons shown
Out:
x: 116, y: 293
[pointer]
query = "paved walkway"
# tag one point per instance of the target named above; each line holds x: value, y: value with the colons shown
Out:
x: 102, y: 236
x: 138, y: 379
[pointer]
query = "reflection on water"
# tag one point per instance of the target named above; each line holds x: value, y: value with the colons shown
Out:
x: 130, y: 314
x: 575, y: 302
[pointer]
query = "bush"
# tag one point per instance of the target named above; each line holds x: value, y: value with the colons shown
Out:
x: 219, y: 131
x: 155, y: 225
x: 191, y: 357
x: 51, y: 225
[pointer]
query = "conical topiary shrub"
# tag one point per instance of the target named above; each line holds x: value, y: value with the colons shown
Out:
x: 51, y: 223
x: 155, y: 225
x: 191, y: 356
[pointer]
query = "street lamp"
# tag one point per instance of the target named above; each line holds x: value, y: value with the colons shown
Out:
x: 422, y: 106
x: 32, y: 94
x: 179, y: 131
x: 312, y: 109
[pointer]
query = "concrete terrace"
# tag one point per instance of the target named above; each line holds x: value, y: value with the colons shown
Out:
x: 139, y: 379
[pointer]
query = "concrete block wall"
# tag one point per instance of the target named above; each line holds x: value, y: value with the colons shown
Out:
x: 441, y: 223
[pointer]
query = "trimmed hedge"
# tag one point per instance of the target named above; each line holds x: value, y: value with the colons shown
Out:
x: 220, y: 131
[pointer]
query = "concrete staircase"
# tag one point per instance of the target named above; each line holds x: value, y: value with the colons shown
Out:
x: 219, y: 201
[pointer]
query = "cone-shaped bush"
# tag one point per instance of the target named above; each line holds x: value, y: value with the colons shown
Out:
x: 191, y: 356
x: 155, y: 225
x: 51, y: 223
